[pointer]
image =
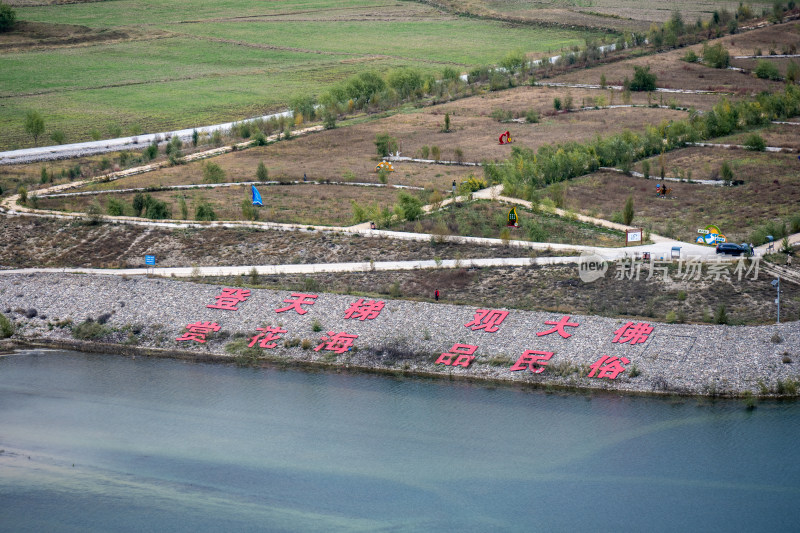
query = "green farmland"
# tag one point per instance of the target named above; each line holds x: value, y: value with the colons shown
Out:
x: 137, y: 66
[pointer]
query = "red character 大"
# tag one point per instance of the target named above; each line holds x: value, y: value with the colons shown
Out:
x: 337, y: 342
x: 559, y: 327
x: 198, y: 331
x: 230, y: 298
x: 463, y: 354
x: 266, y: 336
x: 300, y: 299
x: 635, y: 333
x: 609, y: 367
x: 487, y: 320
x: 364, y: 310
x: 532, y: 360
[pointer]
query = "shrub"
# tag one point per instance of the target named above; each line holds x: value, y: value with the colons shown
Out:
x: 502, y: 115
x: 89, y: 329
x: 204, y: 211
x: 385, y: 144
x: 115, y: 208
x: 6, y: 327
x: 410, y: 207
x: 158, y: 210
x: 23, y: 194
x: 249, y: 211
x: 424, y: 152
x: 7, y: 17
x: 792, y: 72
x: 726, y: 172
x: 58, y: 137
x: 262, y: 174
x: 716, y: 56
x: 151, y: 152
x: 690, y: 57
x: 532, y: 116
x: 755, y: 142
x: 643, y: 79
x: 627, y: 213
x: 139, y: 203
x: 514, y: 61
x: 557, y: 103
x: 766, y: 70
x: 436, y: 153
x: 213, y: 173
x: 259, y: 139
x: 646, y: 168
x: 183, y: 207
x: 721, y: 316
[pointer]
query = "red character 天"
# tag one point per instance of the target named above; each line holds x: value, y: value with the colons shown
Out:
x: 364, y: 310
x: 265, y: 338
x: 633, y: 333
x: 337, y: 342
x: 230, y: 298
x: 463, y: 354
x: 558, y: 327
x: 198, y: 331
x: 300, y: 299
x: 532, y: 360
x: 609, y: 367
x: 487, y: 320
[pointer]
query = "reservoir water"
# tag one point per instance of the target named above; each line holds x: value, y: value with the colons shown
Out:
x: 108, y: 443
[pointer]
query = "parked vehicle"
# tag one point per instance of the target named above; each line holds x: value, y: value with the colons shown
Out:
x: 730, y: 248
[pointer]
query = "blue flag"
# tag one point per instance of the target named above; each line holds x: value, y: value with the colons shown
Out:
x: 256, y: 197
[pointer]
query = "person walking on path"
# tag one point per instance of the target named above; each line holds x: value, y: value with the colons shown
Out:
x: 436, y: 294
x: 789, y: 260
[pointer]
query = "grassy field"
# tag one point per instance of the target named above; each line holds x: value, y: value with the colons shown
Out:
x: 156, y: 66
x: 489, y: 219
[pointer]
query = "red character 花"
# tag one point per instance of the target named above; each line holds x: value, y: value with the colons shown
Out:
x: 266, y: 336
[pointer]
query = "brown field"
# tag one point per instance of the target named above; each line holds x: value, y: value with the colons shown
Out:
x: 328, y: 205
x: 781, y: 135
x: 771, y: 190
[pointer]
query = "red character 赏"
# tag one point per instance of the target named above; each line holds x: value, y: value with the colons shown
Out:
x: 198, y: 331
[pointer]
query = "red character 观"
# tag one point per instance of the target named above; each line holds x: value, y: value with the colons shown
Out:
x: 487, y: 320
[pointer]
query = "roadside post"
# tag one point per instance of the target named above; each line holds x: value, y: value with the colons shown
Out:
x: 150, y: 261
x: 777, y: 284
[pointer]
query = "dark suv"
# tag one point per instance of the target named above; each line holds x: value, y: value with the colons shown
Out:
x: 730, y: 248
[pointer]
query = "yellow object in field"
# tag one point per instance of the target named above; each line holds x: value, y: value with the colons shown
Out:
x: 384, y: 165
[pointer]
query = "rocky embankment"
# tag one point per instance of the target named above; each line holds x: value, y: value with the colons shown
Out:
x: 146, y: 316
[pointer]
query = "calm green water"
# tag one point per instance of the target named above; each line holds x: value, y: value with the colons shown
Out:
x: 106, y: 443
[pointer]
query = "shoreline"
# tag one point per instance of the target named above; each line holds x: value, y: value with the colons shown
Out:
x: 143, y: 317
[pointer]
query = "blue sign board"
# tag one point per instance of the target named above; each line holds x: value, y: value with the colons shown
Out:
x: 150, y: 260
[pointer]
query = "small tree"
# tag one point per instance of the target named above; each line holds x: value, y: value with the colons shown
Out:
x: 410, y: 206
x: 7, y: 17
x: 57, y: 137
x: 115, y: 208
x: 557, y: 103
x: 716, y: 56
x: 183, y: 207
x: 385, y: 144
x: 755, y: 142
x: 34, y: 125
x: 213, y: 173
x: 139, y: 203
x: 23, y: 194
x: 157, y: 210
x: 767, y: 71
x: 627, y: 213
x: 646, y: 169
x: 642, y: 80
x: 446, y: 128
x: 436, y: 153
x: 262, y: 174
x: 514, y: 61
x: 204, y: 211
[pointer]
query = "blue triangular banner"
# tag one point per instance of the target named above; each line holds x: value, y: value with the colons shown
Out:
x: 256, y: 197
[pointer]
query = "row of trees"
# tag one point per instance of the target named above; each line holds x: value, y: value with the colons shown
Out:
x: 526, y: 170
